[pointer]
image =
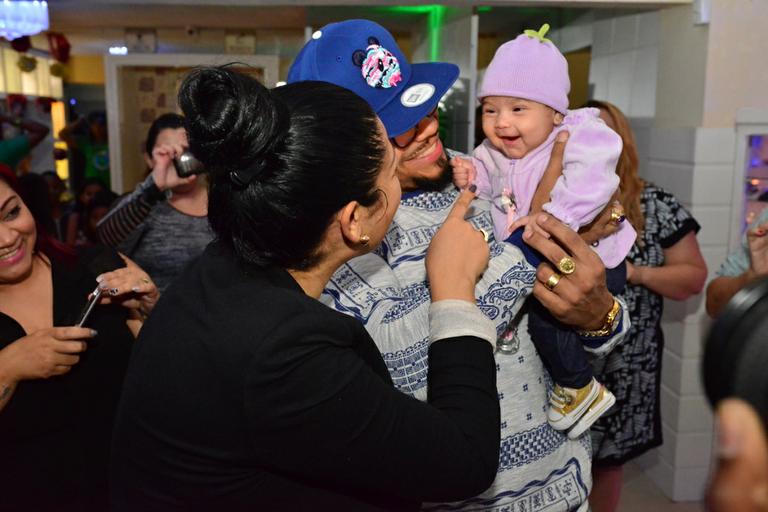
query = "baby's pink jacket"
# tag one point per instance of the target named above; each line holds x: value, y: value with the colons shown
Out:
x: 586, y: 186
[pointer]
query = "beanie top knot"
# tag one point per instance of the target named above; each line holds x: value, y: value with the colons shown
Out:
x: 529, y: 67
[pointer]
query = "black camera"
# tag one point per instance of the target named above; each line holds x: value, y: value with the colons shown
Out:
x: 186, y: 165
x: 736, y: 351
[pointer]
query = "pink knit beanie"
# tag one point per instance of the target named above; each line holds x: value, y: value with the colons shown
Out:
x: 529, y: 67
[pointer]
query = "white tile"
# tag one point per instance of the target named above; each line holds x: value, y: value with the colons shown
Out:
x: 675, y: 177
x: 575, y: 37
x: 663, y: 475
x: 648, y: 29
x: 685, y: 339
x: 641, y: 127
x: 602, y: 34
x: 715, y: 224
x: 643, y: 103
x: 599, y: 74
x: 686, y: 450
x: 624, y: 34
x: 674, y: 333
x: 689, y: 484
x: 712, y: 185
x: 714, y: 256
x: 671, y: 369
x: 690, y: 377
x: 620, y: 79
x: 681, y: 375
x: 678, y: 484
x: 670, y: 409
x: 715, y: 145
x: 686, y: 310
x: 673, y: 144
x: 685, y: 413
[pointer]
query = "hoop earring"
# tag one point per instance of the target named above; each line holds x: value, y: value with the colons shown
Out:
x: 365, y: 239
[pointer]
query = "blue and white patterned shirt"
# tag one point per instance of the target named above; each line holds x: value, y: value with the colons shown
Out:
x: 387, y: 290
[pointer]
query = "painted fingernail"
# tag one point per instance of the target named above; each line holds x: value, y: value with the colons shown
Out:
x: 113, y: 291
x: 135, y: 289
x: 94, y: 333
x: 99, y: 279
x: 473, y: 188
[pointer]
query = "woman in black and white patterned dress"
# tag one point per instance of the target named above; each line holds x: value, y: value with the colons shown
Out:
x: 665, y: 262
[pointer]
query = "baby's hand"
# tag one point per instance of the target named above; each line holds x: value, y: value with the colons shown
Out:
x: 463, y: 172
x: 531, y: 227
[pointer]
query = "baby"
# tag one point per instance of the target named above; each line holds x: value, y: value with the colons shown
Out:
x: 525, y: 106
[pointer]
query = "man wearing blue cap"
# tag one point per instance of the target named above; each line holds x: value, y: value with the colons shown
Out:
x: 539, y: 468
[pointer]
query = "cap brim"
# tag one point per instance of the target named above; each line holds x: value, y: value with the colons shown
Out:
x: 399, y: 118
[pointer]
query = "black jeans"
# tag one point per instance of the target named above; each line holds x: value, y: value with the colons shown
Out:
x: 559, y: 347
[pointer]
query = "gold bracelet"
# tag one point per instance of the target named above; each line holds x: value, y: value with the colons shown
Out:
x: 608, y: 324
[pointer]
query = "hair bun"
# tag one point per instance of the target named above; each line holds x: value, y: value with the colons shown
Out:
x: 231, y: 118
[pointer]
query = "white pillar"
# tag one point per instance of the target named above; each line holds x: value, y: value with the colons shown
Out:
x: 450, y: 35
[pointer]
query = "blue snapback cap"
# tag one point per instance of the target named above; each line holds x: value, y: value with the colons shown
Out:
x: 362, y: 56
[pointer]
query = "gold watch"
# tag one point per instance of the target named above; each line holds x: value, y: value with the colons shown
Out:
x: 608, y: 324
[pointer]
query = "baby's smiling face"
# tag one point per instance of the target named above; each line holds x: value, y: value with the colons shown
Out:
x: 516, y: 126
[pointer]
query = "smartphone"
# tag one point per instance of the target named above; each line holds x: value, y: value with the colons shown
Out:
x: 187, y: 165
x: 736, y: 350
x: 86, y: 312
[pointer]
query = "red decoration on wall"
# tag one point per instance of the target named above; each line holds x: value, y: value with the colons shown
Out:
x: 59, y: 46
x: 16, y: 101
x: 21, y: 44
x: 44, y: 103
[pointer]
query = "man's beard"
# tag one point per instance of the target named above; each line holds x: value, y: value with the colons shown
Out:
x: 441, y: 181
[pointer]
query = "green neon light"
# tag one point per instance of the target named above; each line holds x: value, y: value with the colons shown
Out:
x: 435, y: 19
x: 435, y: 23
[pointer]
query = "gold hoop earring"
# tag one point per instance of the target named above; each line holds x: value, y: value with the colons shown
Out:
x: 365, y: 239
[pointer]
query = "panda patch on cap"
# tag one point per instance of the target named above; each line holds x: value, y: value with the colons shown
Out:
x: 379, y: 67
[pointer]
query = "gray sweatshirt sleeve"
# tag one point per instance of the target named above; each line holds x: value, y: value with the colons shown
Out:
x: 129, y: 213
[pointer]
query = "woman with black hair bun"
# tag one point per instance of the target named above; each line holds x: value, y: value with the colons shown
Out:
x: 162, y: 224
x: 245, y: 392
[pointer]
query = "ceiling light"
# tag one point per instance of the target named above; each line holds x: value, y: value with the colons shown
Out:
x: 22, y: 18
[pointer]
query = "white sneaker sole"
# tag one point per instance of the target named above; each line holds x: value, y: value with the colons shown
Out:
x: 604, y: 402
x: 566, y: 422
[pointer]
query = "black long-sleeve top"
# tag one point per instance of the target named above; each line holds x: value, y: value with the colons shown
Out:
x: 55, y: 433
x: 244, y: 393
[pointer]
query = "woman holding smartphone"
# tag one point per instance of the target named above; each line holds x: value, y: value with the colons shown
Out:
x: 59, y: 384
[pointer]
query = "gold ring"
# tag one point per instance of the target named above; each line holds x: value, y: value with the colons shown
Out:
x: 617, y: 216
x: 486, y: 236
x: 552, y: 281
x: 566, y: 265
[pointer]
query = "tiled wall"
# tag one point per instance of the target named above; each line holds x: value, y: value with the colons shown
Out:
x: 624, y: 62
x: 696, y: 164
